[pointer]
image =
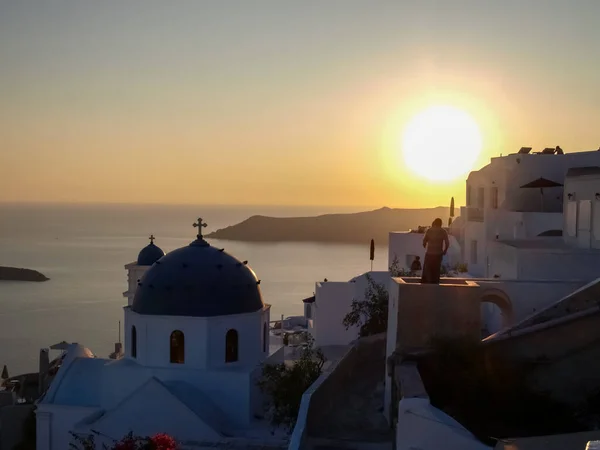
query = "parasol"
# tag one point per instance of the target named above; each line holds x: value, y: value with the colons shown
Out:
x: 541, y: 183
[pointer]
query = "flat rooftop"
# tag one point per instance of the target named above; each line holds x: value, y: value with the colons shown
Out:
x: 549, y: 243
x: 449, y: 281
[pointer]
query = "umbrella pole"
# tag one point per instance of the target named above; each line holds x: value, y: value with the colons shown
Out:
x: 542, y: 198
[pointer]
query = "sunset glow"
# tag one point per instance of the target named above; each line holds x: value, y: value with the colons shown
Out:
x: 441, y: 143
x: 289, y: 103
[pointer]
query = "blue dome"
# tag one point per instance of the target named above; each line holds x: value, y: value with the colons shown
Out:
x: 149, y: 255
x: 198, y: 280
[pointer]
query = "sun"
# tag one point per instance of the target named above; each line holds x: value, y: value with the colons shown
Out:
x: 441, y: 143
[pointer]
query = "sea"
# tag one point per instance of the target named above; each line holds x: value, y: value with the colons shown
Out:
x: 83, y: 250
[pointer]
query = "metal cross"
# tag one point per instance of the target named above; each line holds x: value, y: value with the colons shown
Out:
x: 200, y: 225
x: 152, y: 239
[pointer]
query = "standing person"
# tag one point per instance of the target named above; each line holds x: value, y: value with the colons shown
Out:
x: 436, y: 243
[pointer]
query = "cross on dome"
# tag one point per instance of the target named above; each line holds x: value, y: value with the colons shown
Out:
x: 152, y: 238
x: 200, y: 224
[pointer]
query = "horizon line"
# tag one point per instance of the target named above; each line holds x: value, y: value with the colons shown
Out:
x: 210, y: 205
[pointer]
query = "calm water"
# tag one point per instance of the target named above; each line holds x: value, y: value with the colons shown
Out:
x: 83, y: 250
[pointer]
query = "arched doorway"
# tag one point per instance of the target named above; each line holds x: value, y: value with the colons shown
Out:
x: 496, y: 311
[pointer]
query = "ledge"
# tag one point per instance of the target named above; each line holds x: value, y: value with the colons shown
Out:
x: 409, y: 381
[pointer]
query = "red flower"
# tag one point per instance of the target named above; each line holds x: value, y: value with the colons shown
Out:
x: 164, y: 442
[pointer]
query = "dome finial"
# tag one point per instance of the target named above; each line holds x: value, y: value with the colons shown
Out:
x: 152, y: 238
x: 200, y: 224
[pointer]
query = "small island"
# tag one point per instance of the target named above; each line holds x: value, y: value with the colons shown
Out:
x: 17, y: 274
x: 350, y: 228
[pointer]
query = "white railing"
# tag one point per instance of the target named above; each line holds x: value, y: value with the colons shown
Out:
x: 474, y: 214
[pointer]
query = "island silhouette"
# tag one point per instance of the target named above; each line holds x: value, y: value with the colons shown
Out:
x: 18, y: 274
x: 353, y: 228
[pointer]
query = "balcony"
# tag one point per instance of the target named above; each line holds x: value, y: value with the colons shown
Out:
x: 474, y: 214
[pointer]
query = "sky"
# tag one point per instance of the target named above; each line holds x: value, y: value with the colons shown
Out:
x: 279, y: 102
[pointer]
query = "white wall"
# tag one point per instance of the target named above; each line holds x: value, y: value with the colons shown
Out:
x: 53, y: 423
x: 204, y: 339
x: 390, y: 345
x: 134, y: 275
x: 526, y: 297
x: 518, y: 211
x: 154, y: 408
x: 536, y: 223
x: 503, y: 261
x: 232, y: 392
x: 510, y: 172
x: 361, y: 282
x: 587, y: 232
x: 503, y: 225
x: 229, y: 389
x: 333, y: 301
x: 558, y: 265
x: 250, y: 328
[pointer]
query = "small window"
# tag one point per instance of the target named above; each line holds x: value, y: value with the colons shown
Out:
x: 473, y: 252
x: 572, y: 218
x: 231, y: 346
x: 308, y: 311
x: 177, y: 347
x: 265, y: 337
x: 468, y: 195
x: 133, y: 342
x: 481, y: 198
x: 494, y: 197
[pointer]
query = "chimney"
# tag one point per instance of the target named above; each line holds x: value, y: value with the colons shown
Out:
x: 43, y: 370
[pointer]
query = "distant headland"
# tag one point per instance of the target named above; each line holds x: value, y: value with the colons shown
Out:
x: 16, y: 274
x: 353, y: 228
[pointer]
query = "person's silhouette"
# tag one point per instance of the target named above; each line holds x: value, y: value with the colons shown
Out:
x: 436, y: 242
x: 416, y: 265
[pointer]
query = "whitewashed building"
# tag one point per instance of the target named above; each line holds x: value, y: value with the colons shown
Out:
x: 582, y: 207
x: 325, y: 311
x: 196, y: 336
x: 520, y: 197
x: 509, y: 237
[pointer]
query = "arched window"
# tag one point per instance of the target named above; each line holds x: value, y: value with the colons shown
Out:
x: 177, y: 347
x: 265, y: 337
x: 133, y: 342
x: 231, y: 346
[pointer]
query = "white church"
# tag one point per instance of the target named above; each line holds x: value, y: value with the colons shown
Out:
x: 196, y: 336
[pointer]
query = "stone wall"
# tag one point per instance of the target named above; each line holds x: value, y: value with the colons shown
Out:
x: 579, y: 300
x: 428, y: 311
x: 563, y: 355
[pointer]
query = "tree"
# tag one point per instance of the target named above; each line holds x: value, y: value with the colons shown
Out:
x: 285, y: 384
x: 396, y: 270
x: 371, y: 313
